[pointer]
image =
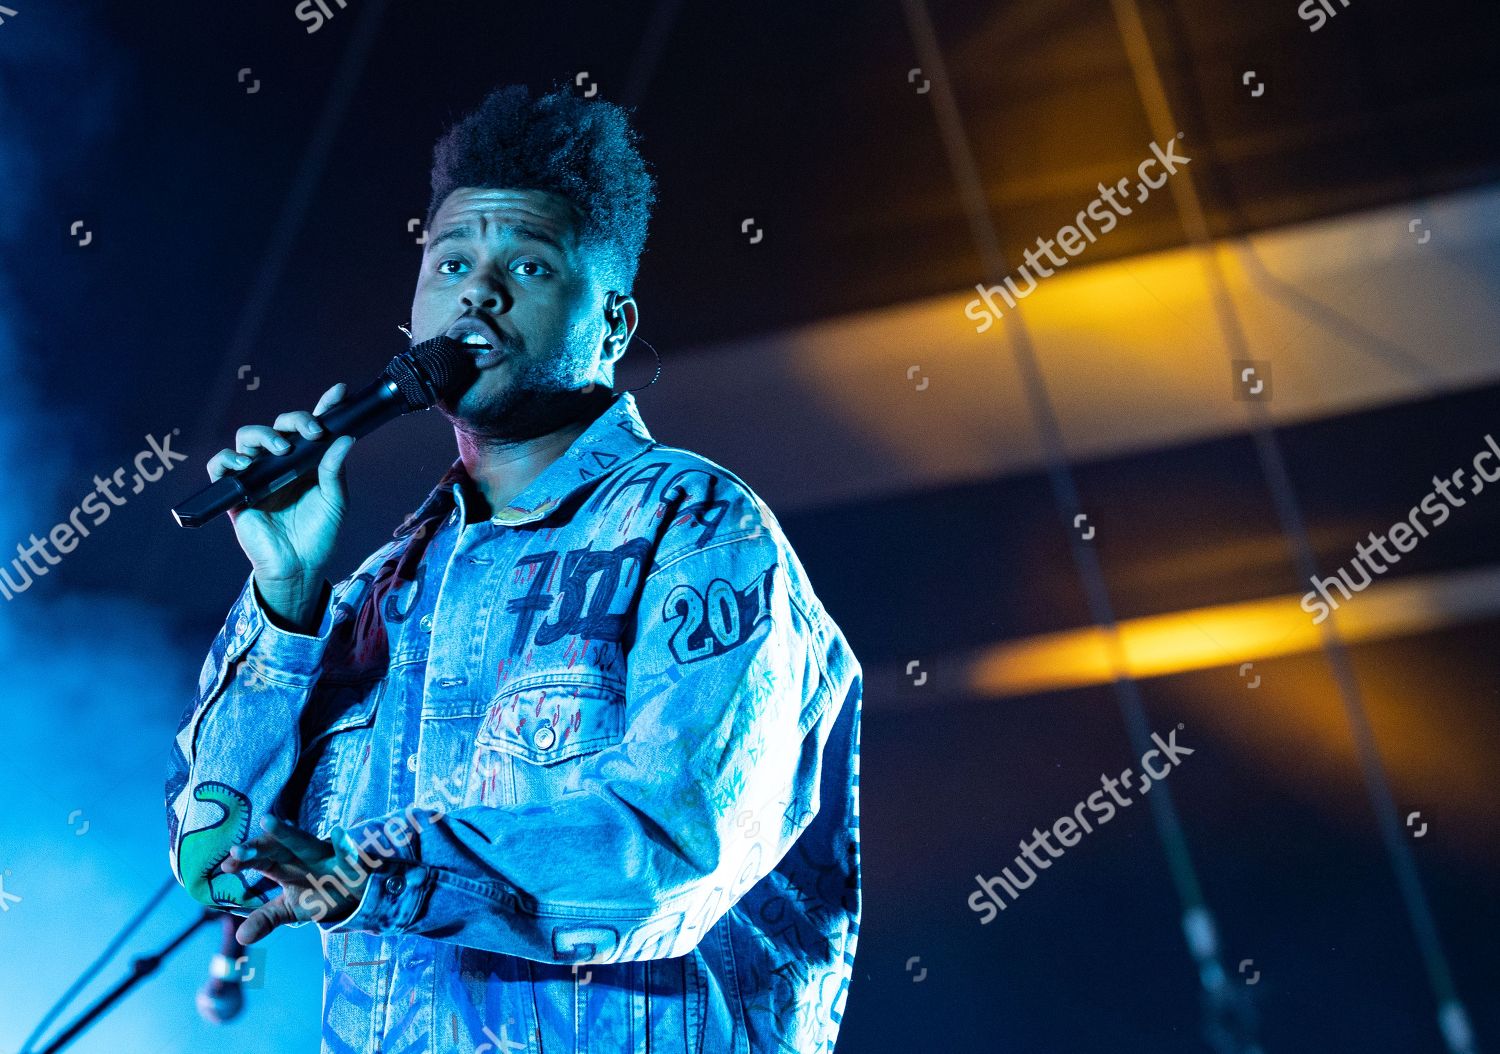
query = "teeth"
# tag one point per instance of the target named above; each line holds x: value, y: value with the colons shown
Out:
x: 475, y: 340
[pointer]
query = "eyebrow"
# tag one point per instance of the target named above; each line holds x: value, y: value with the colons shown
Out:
x: 520, y: 230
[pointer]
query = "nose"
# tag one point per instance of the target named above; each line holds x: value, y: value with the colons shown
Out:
x: 485, y: 294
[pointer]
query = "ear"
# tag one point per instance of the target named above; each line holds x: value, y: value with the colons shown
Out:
x: 620, y: 318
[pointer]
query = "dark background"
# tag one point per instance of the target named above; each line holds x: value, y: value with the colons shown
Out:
x: 270, y: 230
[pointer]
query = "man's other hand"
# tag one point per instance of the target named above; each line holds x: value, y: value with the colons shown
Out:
x: 304, y: 867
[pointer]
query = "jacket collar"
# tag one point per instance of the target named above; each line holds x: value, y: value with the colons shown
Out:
x: 614, y: 437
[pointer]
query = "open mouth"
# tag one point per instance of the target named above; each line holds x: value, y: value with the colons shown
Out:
x: 480, y: 339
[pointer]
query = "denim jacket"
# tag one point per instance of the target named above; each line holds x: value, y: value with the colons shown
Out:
x: 604, y: 746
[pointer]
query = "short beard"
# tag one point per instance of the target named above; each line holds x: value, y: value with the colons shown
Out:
x: 539, y: 400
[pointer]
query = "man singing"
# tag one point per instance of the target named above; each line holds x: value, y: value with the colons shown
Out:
x: 571, y: 764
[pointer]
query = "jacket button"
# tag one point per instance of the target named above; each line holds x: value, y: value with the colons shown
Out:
x: 394, y: 884
x: 411, y: 762
x: 426, y: 623
x: 545, y: 737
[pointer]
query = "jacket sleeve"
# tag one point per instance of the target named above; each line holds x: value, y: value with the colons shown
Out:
x: 715, y: 777
x: 236, y: 746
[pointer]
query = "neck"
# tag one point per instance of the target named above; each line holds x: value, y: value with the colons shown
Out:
x: 503, y: 466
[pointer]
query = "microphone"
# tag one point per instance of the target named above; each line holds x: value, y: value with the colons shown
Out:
x: 222, y: 996
x: 413, y: 380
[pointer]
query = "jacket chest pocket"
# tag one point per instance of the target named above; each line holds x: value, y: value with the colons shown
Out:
x: 537, y: 732
x: 334, y: 771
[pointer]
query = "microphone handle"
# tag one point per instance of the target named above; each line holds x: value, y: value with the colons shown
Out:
x: 222, y: 996
x: 268, y: 472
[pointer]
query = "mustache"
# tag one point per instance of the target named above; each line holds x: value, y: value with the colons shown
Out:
x: 505, y: 341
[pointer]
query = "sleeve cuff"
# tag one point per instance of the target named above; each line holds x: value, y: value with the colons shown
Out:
x: 275, y: 653
x: 396, y: 890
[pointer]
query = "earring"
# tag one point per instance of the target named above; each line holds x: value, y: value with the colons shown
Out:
x: 655, y: 375
x: 405, y: 328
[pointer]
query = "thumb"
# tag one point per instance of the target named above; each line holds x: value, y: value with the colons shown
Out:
x: 264, y: 919
x: 331, y: 470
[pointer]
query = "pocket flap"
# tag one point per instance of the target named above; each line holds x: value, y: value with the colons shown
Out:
x: 338, y: 707
x: 552, y: 717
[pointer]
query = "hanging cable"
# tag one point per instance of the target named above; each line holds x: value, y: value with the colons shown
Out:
x: 1452, y: 1018
x: 1229, y: 1020
x: 98, y: 964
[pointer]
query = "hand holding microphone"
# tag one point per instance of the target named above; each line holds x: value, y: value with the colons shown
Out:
x: 289, y: 535
x: 283, y: 484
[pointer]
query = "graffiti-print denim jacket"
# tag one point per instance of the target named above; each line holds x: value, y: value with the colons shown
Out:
x: 604, y: 745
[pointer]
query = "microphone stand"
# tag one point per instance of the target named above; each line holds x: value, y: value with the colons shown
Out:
x: 141, y: 968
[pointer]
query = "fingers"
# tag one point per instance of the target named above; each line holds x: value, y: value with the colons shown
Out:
x: 249, y: 441
x: 331, y: 469
x: 331, y: 397
x: 299, y: 421
x: 300, y: 899
x: 289, y: 875
x: 260, y: 922
x: 225, y: 461
x: 283, y: 844
x: 304, y: 847
x: 263, y: 854
x: 252, y: 439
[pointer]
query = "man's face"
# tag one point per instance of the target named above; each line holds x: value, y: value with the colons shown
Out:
x: 507, y: 265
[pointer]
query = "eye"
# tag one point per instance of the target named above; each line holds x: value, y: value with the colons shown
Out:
x: 445, y: 263
x: 540, y: 268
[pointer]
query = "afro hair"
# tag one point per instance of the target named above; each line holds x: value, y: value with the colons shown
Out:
x: 581, y: 149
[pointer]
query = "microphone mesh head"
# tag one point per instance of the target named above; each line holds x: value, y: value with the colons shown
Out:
x: 432, y: 369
